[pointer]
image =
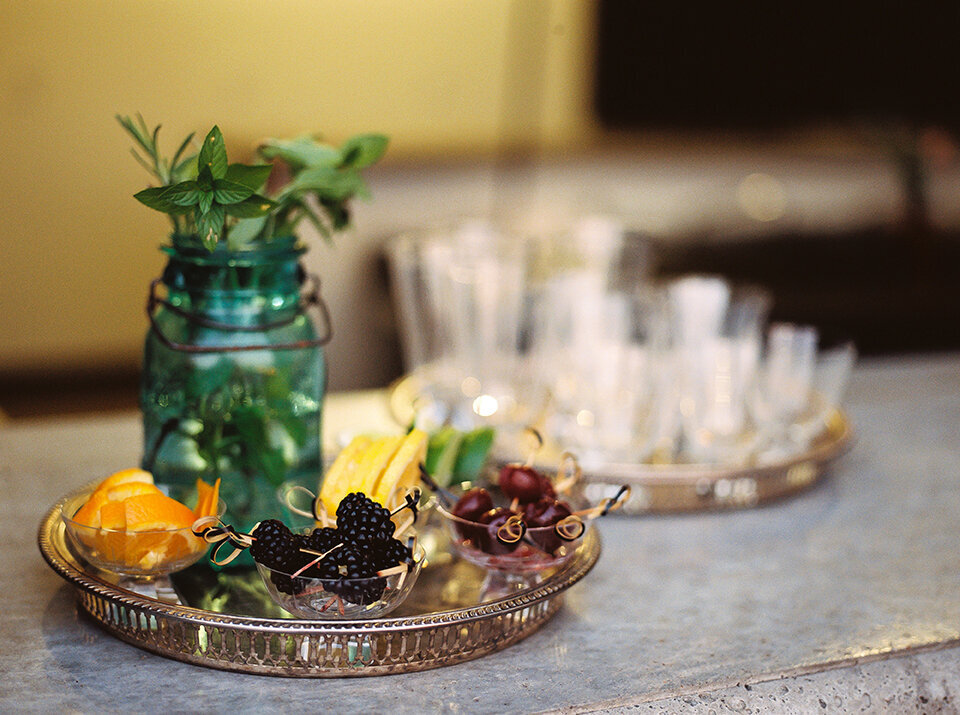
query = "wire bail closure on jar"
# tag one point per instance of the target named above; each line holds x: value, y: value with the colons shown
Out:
x: 311, y: 298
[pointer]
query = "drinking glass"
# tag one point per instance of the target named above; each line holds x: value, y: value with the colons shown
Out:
x: 783, y: 389
x: 594, y: 351
x: 463, y: 299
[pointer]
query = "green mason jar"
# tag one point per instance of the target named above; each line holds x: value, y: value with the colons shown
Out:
x: 234, y: 377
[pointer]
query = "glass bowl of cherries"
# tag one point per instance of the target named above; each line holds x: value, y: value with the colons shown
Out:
x: 527, y: 524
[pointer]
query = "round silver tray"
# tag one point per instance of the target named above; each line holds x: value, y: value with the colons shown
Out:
x: 665, y: 488
x: 443, y: 622
x: 676, y: 487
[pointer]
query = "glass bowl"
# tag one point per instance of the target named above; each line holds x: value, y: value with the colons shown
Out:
x: 538, y: 549
x: 341, y: 599
x: 139, y: 554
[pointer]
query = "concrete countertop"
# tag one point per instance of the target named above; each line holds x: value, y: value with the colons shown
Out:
x: 844, y: 599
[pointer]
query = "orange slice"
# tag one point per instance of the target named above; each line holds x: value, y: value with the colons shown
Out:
x: 213, y: 506
x: 203, y: 497
x: 180, y: 546
x: 131, y: 489
x: 126, y: 476
x: 89, y: 513
x: 208, y: 498
x: 150, y: 517
x: 156, y: 512
x: 111, y: 544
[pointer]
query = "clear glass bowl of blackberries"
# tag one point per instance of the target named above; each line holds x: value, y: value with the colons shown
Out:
x: 361, y: 568
x: 524, y: 525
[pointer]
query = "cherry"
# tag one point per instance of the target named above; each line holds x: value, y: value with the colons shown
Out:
x: 546, y: 487
x: 541, y: 515
x: 546, y: 511
x: 494, y: 519
x: 471, y: 507
x: 472, y: 504
x: 524, y: 483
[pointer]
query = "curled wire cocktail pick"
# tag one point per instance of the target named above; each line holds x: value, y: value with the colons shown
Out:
x: 318, y: 511
x: 568, y: 461
x: 512, y: 530
x: 445, y: 495
x: 571, y: 528
x: 214, y: 531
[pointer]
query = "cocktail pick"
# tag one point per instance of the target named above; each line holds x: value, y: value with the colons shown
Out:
x: 568, y: 460
x: 214, y: 531
x: 445, y: 495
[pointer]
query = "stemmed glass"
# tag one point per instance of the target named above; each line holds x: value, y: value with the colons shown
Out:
x: 143, y: 560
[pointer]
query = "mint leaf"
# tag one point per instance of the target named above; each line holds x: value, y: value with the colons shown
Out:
x: 155, y: 198
x: 473, y: 454
x: 250, y: 207
x: 363, y: 150
x: 186, y: 169
x: 229, y: 192
x: 186, y: 193
x: 205, y: 179
x: 253, y: 177
x: 213, y: 154
x: 205, y: 201
x: 302, y: 151
x: 210, y: 226
x: 327, y: 183
x: 322, y: 228
x: 244, y: 231
x: 339, y: 214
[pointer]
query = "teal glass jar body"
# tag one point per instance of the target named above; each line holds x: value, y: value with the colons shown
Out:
x: 234, y: 378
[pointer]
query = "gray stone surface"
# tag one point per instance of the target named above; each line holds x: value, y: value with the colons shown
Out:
x: 916, y: 683
x: 859, y: 571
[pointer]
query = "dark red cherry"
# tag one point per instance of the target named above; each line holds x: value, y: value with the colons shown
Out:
x: 522, y: 482
x: 546, y: 511
x: 473, y: 504
x: 541, y: 516
x: 471, y: 507
x: 494, y: 519
x: 546, y: 487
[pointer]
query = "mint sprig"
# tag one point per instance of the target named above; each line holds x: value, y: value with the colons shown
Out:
x: 220, y: 189
x: 204, y: 194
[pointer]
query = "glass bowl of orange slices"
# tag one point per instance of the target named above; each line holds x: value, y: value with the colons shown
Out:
x: 127, y: 526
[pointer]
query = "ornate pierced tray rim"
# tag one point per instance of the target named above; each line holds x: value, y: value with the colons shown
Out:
x: 559, y: 581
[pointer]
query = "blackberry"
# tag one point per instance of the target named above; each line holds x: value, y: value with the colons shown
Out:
x: 357, y: 582
x: 287, y: 584
x: 392, y: 553
x: 362, y: 521
x: 278, y: 549
x: 323, y: 540
x: 273, y: 545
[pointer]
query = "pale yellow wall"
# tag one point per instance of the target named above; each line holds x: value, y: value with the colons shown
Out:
x: 440, y: 76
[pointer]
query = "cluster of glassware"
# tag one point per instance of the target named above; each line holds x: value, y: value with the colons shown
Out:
x: 566, y: 332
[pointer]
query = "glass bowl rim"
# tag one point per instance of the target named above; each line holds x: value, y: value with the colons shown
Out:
x: 529, y: 529
x: 419, y: 557
x: 70, y: 522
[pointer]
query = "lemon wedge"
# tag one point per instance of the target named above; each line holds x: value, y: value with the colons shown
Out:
x: 403, y: 472
x: 342, y: 473
x: 375, y: 462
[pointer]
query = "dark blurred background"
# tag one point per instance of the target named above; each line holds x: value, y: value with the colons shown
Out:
x: 886, y: 73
